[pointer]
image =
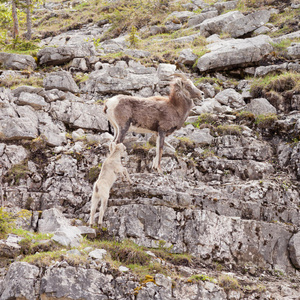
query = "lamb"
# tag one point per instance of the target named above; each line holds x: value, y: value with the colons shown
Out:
x: 159, y: 115
x: 111, y: 168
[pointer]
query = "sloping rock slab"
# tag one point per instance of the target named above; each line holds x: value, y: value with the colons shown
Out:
x: 235, y: 52
x: 64, y: 54
x: 17, y: 61
x: 246, y: 24
x: 216, y: 24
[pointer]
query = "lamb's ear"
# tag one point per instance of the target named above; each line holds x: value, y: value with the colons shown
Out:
x: 112, y: 146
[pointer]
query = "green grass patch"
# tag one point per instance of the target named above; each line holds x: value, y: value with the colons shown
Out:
x: 229, y: 130
x: 45, y: 259
x: 288, y: 81
x: 265, y: 121
x: 205, y: 118
x: 200, y: 277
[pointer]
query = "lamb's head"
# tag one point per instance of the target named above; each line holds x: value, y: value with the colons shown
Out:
x: 118, y: 149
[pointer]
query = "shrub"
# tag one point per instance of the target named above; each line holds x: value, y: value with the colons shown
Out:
x: 6, y: 222
x: 228, y: 283
x: 265, y: 121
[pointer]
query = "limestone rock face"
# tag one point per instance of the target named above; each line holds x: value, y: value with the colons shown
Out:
x: 121, y: 78
x: 17, y: 61
x: 23, y: 285
x: 235, y: 52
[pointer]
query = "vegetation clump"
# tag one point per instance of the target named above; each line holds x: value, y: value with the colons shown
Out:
x: 228, y: 283
x: 266, y: 121
x: 17, y: 172
x: 6, y: 222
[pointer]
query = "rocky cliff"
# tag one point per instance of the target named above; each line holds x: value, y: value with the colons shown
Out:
x: 221, y: 222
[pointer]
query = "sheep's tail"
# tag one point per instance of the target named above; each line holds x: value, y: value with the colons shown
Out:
x: 105, y: 108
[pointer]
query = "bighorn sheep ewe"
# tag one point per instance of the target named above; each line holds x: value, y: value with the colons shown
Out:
x: 159, y: 115
x: 108, y: 175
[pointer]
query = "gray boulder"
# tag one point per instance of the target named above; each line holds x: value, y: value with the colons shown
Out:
x: 198, y: 19
x: 17, y: 61
x: 249, y: 23
x: 27, y: 89
x: 187, y: 57
x: 228, y: 5
x: 11, y: 155
x: 294, y: 51
x: 20, y: 282
x: 64, y: 54
x: 75, y: 283
x: 33, y: 100
x: 79, y: 115
x: 54, y: 132
x: 18, y: 122
x: 294, y: 250
x: 98, y: 254
x: 260, y: 106
x: 293, y: 35
x: 264, y: 70
x: 53, y: 221
x: 235, y: 52
x: 216, y: 24
x: 61, y: 80
x: 79, y: 64
x: 230, y: 98
x: 182, y: 16
x: 164, y: 71
x: 137, y: 53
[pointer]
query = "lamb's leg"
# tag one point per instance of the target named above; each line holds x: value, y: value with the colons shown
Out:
x: 126, y: 175
x: 102, y: 209
x: 95, y: 201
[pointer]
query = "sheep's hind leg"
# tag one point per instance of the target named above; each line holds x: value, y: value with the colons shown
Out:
x: 159, y: 149
x: 95, y: 201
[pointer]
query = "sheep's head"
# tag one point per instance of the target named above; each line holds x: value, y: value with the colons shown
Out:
x: 189, y: 87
